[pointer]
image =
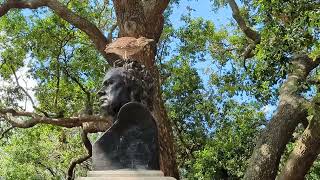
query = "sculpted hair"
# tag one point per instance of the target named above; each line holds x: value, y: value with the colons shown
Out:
x: 139, y: 81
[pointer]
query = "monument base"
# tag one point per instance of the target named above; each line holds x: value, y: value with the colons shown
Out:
x: 126, y: 175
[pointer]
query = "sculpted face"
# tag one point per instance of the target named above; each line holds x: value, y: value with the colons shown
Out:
x: 114, y: 92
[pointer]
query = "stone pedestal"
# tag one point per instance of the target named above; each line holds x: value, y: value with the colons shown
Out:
x: 126, y: 175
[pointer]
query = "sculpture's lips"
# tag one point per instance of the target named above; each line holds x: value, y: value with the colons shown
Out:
x: 105, y: 104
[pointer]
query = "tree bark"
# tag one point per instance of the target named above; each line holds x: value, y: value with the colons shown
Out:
x: 304, y: 153
x: 137, y: 19
x: 265, y: 159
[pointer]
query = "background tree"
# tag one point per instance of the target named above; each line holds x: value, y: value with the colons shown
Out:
x: 57, y: 68
x: 217, y: 81
x: 270, y: 54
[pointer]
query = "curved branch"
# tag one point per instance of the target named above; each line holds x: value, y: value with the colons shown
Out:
x: 26, y: 92
x: 304, y: 153
x: 250, y: 33
x: 4, y: 8
x: 97, y: 37
x: 88, y: 145
x: 33, y: 119
x: 290, y: 112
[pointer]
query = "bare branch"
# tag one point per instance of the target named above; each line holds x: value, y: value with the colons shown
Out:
x: 12, y: 4
x: 78, y: 83
x: 88, y: 106
x: 33, y: 119
x: 48, y: 168
x: 5, y: 132
x: 250, y: 33
x: 88, y: 145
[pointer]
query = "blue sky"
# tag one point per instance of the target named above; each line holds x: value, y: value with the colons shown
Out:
x: 203, y: 8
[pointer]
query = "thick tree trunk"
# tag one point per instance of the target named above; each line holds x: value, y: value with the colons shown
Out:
x: 265, y: 159
x: 137, y: 19
x: 304, y: 154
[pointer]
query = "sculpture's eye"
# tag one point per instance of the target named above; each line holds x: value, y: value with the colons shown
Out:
x: 108, y: 82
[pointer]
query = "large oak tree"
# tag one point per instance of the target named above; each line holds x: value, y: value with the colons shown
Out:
x: 134, y: 19
x: 271, y: 53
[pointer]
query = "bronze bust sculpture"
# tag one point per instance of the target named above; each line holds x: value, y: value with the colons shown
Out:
x: 132, y: 141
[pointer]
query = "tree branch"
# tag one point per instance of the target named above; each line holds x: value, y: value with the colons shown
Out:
x: 33, y: 119
x: 291, y: 110
x: 26, y: 92
x: 20, y: 87
x: 304, y: 153
x: 88, y: 145
x: 88, y: 107
x: 113, y: 27
x: 12, y: 4
x: 97, y: 37
x: 250, y: 33
x: 48, y: 168
x: 248, y: 52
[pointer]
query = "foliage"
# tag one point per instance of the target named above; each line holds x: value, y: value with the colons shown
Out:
x: 215, y: 111
x: 64, y: 64
x: 237, y: 88
x: 40, y: 153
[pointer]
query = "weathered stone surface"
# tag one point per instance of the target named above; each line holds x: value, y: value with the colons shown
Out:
x: 131, y: 143
x: 126, y: 175
x: 126, y: 178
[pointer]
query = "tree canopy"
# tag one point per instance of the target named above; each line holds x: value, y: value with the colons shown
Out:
x: 216, y: 82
